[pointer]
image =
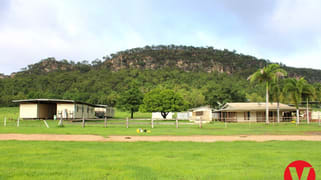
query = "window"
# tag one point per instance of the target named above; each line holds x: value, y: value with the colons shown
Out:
x: 199, y: 113
x: 247, y: 115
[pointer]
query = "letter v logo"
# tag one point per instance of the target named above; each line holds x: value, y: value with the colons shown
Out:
x: 299, y: 170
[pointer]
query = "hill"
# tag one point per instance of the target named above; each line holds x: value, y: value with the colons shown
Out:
x: 196, y: 72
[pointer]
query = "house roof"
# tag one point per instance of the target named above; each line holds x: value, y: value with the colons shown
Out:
x: 50, y: 101
x: 257, y: 106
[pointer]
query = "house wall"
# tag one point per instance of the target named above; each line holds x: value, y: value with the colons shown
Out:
x: 158, y: 115
x: 206, y: 116
x: 84, y: 110
x: 240, y: 116
x: 28, y: 110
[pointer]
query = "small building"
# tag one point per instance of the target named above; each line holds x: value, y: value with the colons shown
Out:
x: 254, y: 112
x: 158, y: 115
x: 104, y: 111
x: 203, y: 113
x: 50, y: 108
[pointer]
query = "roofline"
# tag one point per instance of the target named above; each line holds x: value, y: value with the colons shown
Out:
x: 52, y: 100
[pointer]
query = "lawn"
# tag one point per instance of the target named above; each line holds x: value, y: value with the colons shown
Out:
x: 153, y: 160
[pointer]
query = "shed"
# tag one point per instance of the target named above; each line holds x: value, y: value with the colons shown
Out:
x: 48, y: 108
x: 203, y: 113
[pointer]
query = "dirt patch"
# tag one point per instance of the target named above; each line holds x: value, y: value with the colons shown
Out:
x: 313, y: 133
x: 198, y: 138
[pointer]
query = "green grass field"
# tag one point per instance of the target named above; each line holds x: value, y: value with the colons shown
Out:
x: 153, y: 160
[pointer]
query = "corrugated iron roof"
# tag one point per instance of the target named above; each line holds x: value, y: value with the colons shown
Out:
x: 51, y: 100
x: 257, y: 106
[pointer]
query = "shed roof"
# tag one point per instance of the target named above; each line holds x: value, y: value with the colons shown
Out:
x: 50, y: 101
x: 257, y: 106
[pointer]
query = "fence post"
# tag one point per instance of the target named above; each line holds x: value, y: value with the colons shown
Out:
x: 152, y: 123
x: 60, y: 121
x: 201, y: 122
x: 105, y: 121
x: 176, y: 123
x: 126, y: 122
x: 5, y: 121
x: 319, y: 117
x: 83, y: 121
x: 46, y: 123
x: 18, y: 122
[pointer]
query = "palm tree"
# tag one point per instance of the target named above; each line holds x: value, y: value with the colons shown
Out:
x: 297, y: 88
x: 276, y: 95
x: 267, y: 75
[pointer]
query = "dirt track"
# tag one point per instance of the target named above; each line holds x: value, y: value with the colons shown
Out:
x: 198, y: 138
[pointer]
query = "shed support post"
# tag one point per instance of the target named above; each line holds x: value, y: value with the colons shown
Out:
x: 46, y: 123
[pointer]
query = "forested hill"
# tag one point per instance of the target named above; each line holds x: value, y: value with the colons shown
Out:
x: 198, y: 74
x: 186, y: 58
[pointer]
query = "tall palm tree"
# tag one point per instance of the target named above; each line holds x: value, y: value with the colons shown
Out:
x: 276, y: 95
x: 297, y: 88
x: 267, y: 75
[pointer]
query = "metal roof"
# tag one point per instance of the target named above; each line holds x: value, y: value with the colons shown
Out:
x: 51, y: 100
x: 259, y: 106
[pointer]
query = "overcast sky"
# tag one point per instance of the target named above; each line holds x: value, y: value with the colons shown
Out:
x: 287, y: 31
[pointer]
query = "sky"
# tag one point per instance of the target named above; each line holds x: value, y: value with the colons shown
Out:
x: 286, y: 31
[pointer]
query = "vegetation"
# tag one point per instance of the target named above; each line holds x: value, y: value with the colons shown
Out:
x: 163, y: 101
x: 201, y: 76
x: 267, y: 75
x: 153, y: 160
x: 130, y: 100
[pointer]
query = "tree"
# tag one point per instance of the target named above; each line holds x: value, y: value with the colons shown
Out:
x: 163, y: 101
x: 130, y: 100
x: 297, y: 88
x: 276, y: 95
x: 267, y: 75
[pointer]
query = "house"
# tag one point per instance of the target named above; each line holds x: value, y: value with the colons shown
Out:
x: 50, y: 108
x: 255, y: 112
x: 203, y: 113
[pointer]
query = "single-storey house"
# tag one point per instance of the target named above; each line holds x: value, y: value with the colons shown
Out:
x: 255, y: 112
x: 50, y: 108
x: 203, y: 113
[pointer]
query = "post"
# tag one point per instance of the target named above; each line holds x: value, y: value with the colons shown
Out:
x: 152, y: 123
x: 201, y: 122
x: 46, y: 123
x: 60, y: 122
x: 83, y: 121
x: 5, y: 122
x: 105, y: 121
x: 319, y: 117
x: 126, y: 122
x: 18, y: 122
x: 308, y: 117
x: 176, y: 123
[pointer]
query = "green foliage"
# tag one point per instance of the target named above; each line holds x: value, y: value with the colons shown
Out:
x: 164, y: 101
x: 298, y: 89
x: 131, y: 99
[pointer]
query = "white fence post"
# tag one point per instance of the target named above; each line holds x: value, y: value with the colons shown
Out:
x: 83, y: 122
x: 105, y: 121
x: 126, y: 122
x: 201, y: 122
x: 46, y: 123
x: 5, y: 122
x: 176, y: 123
x: 152, y: 123
x: 18, y: 122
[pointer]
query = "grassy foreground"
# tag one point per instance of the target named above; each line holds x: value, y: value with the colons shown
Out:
x: 153, y: 160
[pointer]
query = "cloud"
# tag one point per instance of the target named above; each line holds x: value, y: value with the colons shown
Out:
x: 279, y: 30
